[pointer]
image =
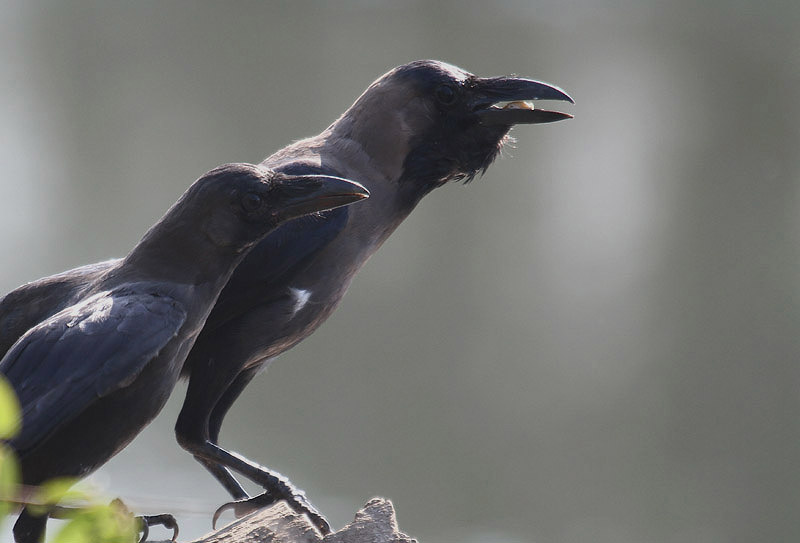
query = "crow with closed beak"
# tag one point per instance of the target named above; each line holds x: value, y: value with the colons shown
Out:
x: 91, y: 375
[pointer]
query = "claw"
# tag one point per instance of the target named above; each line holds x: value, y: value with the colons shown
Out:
x: 221, y: 509
x: 297, y: 501
x: 167, y: 521
x: 145, y: 521
x: 243, y: 507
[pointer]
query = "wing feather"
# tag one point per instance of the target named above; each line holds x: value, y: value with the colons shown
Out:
x: 85, y: 352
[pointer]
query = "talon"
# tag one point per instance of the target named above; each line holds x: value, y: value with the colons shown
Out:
x: 145, y: 521
x: 243, y: 507
x: 166, y: 520
x: 221, y: 509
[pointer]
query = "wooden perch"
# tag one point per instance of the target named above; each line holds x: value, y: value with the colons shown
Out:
x: 374, y: 523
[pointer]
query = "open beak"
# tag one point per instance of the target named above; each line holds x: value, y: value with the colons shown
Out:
x: 304, y: 194
x: 509, y: 100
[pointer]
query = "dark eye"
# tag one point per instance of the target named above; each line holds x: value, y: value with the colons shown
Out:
x: 446, y: 94
x: 251, y: 202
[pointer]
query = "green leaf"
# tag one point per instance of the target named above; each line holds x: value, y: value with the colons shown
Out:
x: 9, y: 477
x: 99, y: 524
x: 10, y: 416
x: 54, y: 491
x: 92, y: 524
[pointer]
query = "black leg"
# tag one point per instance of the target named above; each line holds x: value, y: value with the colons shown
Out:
x: 206, y: 390
x: 227, y: 400
x: 29, y: 528
x: 209, y: 396
x: 276, y: 485
x: 225, y: 478
x: 220, y: 472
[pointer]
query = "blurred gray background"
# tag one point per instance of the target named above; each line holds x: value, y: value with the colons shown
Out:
x: 595, y: 342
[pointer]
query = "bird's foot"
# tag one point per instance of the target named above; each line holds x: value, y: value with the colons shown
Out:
x: 295, y: 498
x: 165, y: 520
x: 144, y: 522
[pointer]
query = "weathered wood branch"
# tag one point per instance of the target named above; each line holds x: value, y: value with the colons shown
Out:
x: 374, y: 523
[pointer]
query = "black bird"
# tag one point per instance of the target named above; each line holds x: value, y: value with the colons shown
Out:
x: 416, y: 128
x: 92, y: 374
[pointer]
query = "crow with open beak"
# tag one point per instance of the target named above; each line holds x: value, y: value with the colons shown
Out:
x: 415, y: 128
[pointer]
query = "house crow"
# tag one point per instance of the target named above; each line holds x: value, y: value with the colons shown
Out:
x: 92, y: 374
x: 416, y: 128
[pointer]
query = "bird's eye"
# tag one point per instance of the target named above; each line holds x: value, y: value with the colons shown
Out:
x: 446, y: 94
x: 251, y: 202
